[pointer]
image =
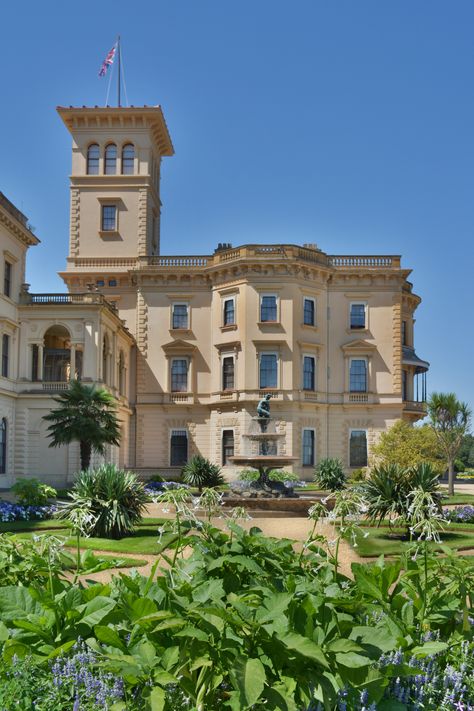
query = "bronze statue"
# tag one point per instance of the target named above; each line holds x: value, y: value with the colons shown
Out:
x: 263, y: 407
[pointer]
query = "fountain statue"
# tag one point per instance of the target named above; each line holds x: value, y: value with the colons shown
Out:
x: 264, y: 437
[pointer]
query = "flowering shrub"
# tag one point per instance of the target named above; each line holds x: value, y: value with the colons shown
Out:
x: 157, y: 487
x: 15, y: 512
x: 460, y: 514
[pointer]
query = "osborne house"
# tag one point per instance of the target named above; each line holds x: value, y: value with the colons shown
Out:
x: 189, y: 344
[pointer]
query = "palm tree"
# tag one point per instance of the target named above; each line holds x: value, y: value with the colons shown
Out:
x: 450, y: 420
x: 86, y: 414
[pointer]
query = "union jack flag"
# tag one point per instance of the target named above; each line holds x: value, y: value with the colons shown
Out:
x: 108, y: 61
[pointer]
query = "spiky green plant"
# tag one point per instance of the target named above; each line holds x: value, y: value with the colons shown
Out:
x: 200, y: 472
x: 87, y: 415
x: 329, y: 474
x: 112, y: 500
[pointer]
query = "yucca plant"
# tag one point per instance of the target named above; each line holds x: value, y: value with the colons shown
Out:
x: 200, y: 472
x: 329, y: 474
x: 111, y: 499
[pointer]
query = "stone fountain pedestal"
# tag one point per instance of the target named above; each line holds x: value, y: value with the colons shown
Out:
x: 263, y: 441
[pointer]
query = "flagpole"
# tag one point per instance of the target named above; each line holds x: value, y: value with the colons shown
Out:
x: 118, y: 73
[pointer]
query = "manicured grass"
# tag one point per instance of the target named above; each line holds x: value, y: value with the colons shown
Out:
x: 382, y: 540
x: 459, y: 499
x: 49, y: 524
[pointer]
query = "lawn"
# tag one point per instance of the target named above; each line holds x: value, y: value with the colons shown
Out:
x: 457, y: 536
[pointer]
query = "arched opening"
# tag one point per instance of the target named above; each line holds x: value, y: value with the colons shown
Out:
x: 93, y: 155
x: 128, y: 159
x: 121, y: 374
x: 110, y: 159
x: 105, y: 359
x: 61, y: 361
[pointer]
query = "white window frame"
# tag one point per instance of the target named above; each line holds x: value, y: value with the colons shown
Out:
x: 366, y: 314
x: 277, y: 356
x: 224, y: 299
x: 367, y: 383
x: 277, y: 302
x: 172, y: 431
x: 357, y: 429
x: 313, y: 430
x: 222, y: 356
x: 315, y: 359
x: 104, y: 204
x: 313, y: 299
x: 188, y: 361
x: 226, y: 429
x: 188, y: 314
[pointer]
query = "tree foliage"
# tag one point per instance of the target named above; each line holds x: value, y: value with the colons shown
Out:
x: 407, y: 446
x: 200, y: 472
x: 450, y: 419
x: 329, y: 474
x: 87, y: 415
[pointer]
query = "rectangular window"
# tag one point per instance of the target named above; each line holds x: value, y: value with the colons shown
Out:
x: 179, y: 375
x: 358, y: 316
x: 5, y: 354
x: 3, y: 445
x: 358, y: 448
x: 228, y: 373
x: 309, y: 370
x: 358, y: 376
x: 7, y: 279
x: 180, y: 316
x: 268, y: 370
x: 178, y: 448
x: 404, y: 333
x: 227, y: 446
x: 109, y: 218
x: 112, y: 282
x: 268, y: 308
x: 229, y: 312
x: 308, y: 312
x: 404, y: 385
x: 308, y: 448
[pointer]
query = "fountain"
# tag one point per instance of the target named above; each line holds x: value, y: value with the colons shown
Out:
x: 263, y: 432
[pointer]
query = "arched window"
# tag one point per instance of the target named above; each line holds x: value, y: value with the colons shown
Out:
x: 93, y: 154
x: 111, y: 159
x: 128, y: 158
x: 3, y: 445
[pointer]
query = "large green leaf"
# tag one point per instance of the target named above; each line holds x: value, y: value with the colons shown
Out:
x: 273, y: 606
x: 209, y: 590
x: 95, y: 611
x: 250, y: 678
x: 429, y: 648
x: 157, y: 699
x: 305, y: 647
x: 16, y: 602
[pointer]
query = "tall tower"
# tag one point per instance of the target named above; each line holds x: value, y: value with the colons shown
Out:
x: 115, y: 187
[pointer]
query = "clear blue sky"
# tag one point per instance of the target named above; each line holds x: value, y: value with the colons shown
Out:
x: 349, y: 124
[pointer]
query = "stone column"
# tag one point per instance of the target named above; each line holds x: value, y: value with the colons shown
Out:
x: 40, y: 361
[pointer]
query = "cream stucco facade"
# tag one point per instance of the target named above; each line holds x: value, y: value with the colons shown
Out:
x: 204, y: 337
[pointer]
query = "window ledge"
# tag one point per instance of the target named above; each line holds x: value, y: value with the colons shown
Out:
x: 313, y: 327
x: 229, y: 327
x: 109, y: 233
x: 357, y: 330
x: 269, y: 323
x: 181, y: 331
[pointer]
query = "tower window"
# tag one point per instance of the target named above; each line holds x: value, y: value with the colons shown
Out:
x: 308, y: 312
x: 93, y: 154
x: 128, y: 159
x: 180, y: 316
x: 5, y: 354
x: 357, y: 318
x: 358, y: 376
x: 268, y: 308
x: 228, y: 380
x: 268, y: 370
x: 309, y: 371
x: 111, y: 159
x: 308, y: 447
x: 109, y: 218
x: 229, y: 312
x: 179, y: 375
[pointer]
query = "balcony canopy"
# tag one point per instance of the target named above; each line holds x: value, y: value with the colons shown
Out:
x: 409, y: 357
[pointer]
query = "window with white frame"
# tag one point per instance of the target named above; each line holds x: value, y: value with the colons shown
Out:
x: 358, y: 316
x: 309, y: 311
x: 178, y: 448
x: 268, y: 370
x: 358, y: 448
x: 180, y: 316
x: 308, y: 447
x: 228, y: 373
x: 228, y: 312
x: 309, y: 372
x: 358, y: 375
x: 227, y: 446
x: 179, y: 375
x: 268, y: 308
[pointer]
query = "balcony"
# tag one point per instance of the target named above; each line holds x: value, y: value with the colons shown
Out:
x: 414, y: 406
x: 358, y: 398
